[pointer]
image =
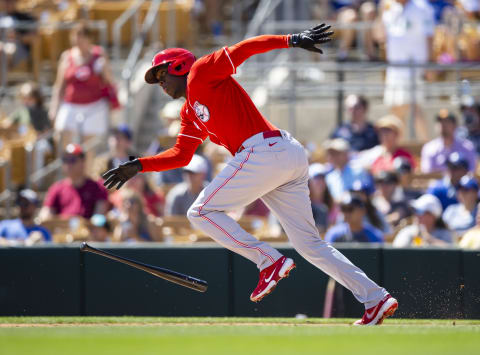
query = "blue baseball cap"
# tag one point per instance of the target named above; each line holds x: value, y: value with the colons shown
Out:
x: 125, y: 130
x: 468, y: 183
x: 363, y: 186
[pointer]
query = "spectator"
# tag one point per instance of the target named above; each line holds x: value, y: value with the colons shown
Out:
x: 390, y: 200
x: 152, y: 201
x: 436, y: 152
x: 32, y: 115
x: 170, y: 116
x: 100, y: 229
x: 403, y: 168
x: 364, y: 190
x: 408, y: 27
x: 83, y: 87
x: 471, y: 120
x: 324, y: 211
x: 461, y: 216
x: 358, y: 132
x: 181, y: 197
x: 120, y: 149
x: 170, y: 122
x: 428, y: 227
x: 347, y: 13
x: 381, y: 157
x: 17, y: 46
x: 133, y: 223
x: 471, y: 239
x: 32, y: 112
x: 470, y: 9
x: 24, y: 230
x: 341, y: 178
x: 445, y: 189
x: 354, y: 228
x: 77, y: 194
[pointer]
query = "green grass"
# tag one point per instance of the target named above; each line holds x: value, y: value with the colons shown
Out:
x: 231, y: 336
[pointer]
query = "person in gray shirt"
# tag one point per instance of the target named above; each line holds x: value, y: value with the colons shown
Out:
x: 181, y: 197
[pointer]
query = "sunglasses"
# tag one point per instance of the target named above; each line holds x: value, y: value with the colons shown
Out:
x: 346, y: 209
x: 69, y: 160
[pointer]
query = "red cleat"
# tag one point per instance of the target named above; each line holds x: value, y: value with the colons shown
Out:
x: 375, y: 315
x: 270, y: 276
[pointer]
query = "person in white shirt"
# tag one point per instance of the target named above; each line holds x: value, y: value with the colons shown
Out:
x: 428, y: 227
x: 407, y: 31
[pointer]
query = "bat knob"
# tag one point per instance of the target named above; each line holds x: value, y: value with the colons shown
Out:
x: 84, y: 246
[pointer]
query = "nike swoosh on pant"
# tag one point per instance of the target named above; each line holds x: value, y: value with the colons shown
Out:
x: 272, y: 144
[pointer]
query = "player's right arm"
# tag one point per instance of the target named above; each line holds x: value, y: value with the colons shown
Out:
x: 180, y: 154
x: 188, y: 140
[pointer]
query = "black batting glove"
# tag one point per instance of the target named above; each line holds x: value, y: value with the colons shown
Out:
x: 121, y: 174
x: 309, y: 38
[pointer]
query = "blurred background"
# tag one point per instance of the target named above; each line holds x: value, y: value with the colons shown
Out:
x: 389, y: 115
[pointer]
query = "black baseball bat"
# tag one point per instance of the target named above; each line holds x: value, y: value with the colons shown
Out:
x: 169, y: 275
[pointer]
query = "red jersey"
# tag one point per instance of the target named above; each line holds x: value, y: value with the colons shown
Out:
x: 217, y: 106
x: 83, y: 83
x: 384, y: 163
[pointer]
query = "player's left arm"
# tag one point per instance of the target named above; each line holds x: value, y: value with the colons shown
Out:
x: 308, y: 40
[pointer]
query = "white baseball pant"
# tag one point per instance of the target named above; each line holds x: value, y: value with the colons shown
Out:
x: 275, y: 170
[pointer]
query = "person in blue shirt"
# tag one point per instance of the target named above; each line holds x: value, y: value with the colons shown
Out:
x: 354, y: 228
x: 445, y: 189
x: 461, y: 216
x: 358, y: 132
x: 343, y: 175
x: 23, y: 230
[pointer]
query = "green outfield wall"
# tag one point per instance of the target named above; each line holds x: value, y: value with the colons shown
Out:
x: 60, y: 280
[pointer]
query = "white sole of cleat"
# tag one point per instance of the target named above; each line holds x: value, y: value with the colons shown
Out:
x: 287, y: 266
x: 387, y: 310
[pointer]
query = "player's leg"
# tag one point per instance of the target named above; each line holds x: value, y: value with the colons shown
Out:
x: 236, y: 186
x: 291, y: 205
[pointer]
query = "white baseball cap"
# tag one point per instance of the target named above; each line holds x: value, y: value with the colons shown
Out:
x: 317, y: 169
x: 428, y: 203
x: 337, y: 144
x: 198, y: 164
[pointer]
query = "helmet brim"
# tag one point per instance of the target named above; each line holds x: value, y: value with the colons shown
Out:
x: 150, y: 77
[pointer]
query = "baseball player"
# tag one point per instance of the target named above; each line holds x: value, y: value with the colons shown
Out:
x: 267, y: 163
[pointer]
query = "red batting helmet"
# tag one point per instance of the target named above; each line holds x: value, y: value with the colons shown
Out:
x: 180, y: 61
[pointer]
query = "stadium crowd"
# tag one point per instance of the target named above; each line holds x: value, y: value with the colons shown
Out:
x: 366, y: 184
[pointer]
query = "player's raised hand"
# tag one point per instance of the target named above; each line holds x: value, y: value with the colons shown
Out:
x: 121, y: 174
x: 308, y: 39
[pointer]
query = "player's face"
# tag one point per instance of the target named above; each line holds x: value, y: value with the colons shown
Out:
x: 172, y: 85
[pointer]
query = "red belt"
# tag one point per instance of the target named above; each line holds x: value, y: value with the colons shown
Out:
x: 266, y: 134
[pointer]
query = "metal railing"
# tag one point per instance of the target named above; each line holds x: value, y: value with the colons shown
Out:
x: 137, y: 48
x: 338, y: 79
x: 7, y: 195
x: 132, y: 12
